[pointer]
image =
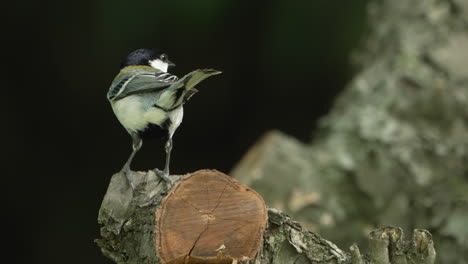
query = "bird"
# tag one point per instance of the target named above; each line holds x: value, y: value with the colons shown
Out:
x: 148, y: 101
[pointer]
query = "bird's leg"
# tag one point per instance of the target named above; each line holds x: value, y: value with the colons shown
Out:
x: 165, y: 173
x: 168, y: 156
x: 137, y: 142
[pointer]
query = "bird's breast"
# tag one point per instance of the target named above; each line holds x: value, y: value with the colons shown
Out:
x: 135, y: 115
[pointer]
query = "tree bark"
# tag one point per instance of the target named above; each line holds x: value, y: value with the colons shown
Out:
x: 128, y: 232
x: 394, y: 148
x: 392, y: 151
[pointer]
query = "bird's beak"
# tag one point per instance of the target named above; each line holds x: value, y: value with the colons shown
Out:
x: 170, y: 63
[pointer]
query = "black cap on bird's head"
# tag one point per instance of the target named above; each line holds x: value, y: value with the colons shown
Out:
x: 149, y: 57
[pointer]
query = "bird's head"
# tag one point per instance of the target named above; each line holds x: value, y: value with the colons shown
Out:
x: 149, y: 57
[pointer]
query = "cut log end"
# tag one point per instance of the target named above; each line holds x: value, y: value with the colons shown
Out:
x: 209, y: 217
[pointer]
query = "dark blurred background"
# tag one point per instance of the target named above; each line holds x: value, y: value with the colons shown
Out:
x: 283, y: 63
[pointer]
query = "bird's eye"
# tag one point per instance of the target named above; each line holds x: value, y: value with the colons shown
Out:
x: 163, y: 57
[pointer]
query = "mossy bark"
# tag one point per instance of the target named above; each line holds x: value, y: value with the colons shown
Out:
x: 394, y: 148
x: 128, y: 221
x: 392, y: 151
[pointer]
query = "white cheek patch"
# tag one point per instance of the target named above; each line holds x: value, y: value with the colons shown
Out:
x: 159, y: 64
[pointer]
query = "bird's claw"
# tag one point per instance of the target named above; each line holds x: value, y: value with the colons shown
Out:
x: 129, y: 175
x: 164, y: 176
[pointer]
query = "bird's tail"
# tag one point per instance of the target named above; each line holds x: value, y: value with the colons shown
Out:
x: 184, y: 88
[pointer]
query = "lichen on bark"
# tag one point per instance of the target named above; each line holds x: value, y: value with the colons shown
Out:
x: 129, y: 228
x: 394, y: 148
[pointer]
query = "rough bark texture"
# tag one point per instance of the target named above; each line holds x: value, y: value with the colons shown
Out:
x: 394, y: 148
x: 393, y: 151
x: 128, y: 223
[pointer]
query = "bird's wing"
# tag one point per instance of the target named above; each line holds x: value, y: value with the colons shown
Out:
x: 180, y: 91
x: 197, y: 76
x: 139, y: 80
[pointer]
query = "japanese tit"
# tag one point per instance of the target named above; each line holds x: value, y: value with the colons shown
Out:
x: 148, y: 101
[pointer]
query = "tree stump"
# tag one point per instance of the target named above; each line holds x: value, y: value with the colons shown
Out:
x: 206, y: 217
x: 209, y: 218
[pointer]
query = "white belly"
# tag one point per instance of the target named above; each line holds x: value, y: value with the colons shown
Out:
x: 134, y: 115
x: 176, y: 116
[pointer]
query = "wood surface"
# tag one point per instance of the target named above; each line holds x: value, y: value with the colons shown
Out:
x: 210, y: 216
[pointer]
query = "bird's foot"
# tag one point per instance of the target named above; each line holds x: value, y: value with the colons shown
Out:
x: 129, y: 174
x: 165, y: 176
